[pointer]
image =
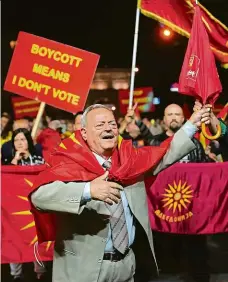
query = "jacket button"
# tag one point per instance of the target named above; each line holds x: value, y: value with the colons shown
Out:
x: 100, y: 260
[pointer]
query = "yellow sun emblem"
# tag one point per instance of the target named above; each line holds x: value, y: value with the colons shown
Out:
x: 27, y: 212
x: 177, y: 196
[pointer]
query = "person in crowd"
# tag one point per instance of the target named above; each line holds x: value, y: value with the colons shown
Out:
x: 196, y: 246
x: 154, y: 127
x: 23, y: 153
x: 6, y: 150
x: 69, y: 129
x: 30, y: 122
x: 49, y: 138
x: 99, y: 222
x: 77, y: 121
x: 6, y: 128
x: 133, y: 128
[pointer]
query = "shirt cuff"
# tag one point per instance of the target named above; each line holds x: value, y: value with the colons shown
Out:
x: 86, y: 196
x: 190, y: 129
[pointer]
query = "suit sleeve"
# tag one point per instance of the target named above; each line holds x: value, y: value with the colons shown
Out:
x: 65, y: 197
x: 180, y: 146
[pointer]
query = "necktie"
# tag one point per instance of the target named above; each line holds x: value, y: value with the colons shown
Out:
x: 118, y: 222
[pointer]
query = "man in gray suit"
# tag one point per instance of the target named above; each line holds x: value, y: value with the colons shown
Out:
x: 99, y: 222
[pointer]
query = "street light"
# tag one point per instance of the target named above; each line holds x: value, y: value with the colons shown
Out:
x: 166, y: 32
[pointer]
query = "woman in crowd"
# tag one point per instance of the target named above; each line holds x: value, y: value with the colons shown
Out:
x: 23, y: 153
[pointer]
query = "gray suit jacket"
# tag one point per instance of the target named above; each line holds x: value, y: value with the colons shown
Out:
x: 83, y: 229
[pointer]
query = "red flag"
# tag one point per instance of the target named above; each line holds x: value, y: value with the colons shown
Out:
x: 18, y: 227
x: 178, y: 15
x: 223, y: 113
x: 199, y: 76
x: 189, y: 199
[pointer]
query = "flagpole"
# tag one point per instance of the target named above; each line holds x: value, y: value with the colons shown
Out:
x: 134, y: 57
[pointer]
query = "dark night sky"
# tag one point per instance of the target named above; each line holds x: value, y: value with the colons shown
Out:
x: 106, y: 28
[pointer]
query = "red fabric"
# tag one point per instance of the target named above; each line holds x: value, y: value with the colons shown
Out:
x: 199, y: 76
x: 18, y: 230
x: 49, y: 139
x: 74, y: 162
x: 205, y: 210
x: 223, y: 113
x: 178, y: 15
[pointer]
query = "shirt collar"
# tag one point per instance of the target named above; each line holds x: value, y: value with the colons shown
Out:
x: 101, y: 160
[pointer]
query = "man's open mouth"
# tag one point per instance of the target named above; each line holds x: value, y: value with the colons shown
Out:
x: 108, y: 137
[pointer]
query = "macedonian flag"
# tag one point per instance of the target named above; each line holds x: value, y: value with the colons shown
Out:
x: 178, y: 15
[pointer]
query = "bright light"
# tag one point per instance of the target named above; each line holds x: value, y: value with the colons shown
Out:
x: 136, y: 69
x: 113, y: 108
x: 166, y: 32
x: 13, y: 44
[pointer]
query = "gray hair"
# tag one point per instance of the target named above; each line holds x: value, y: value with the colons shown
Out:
x: 89, y: 109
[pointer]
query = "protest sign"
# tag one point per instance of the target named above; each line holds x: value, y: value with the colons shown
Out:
x: 143, y: 96
x: 24, y: 107
x: 51, y: 72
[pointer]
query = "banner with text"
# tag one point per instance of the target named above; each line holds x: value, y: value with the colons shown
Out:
x: 190, y: 199
x: 51, y: 72
x: 143, y: 96
x: 24, y: 107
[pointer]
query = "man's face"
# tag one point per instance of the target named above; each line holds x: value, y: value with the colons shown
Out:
x: 173, y: 117
x: 77, y: 122
x: 101, y: 131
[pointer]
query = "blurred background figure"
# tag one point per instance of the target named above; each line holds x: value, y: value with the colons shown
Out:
x: 6, y: 128
x: 77, y: 121
x: 69, y: 129
x: 153, y: 125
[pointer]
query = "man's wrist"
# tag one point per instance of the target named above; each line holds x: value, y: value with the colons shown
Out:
x: 190, y: 128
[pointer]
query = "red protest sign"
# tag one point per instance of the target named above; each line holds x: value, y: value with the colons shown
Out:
x: 51, y: 72
x: 143, y: 96
x: 24, y: 107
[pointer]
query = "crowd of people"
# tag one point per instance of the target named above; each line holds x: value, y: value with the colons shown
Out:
x: 99, y: 130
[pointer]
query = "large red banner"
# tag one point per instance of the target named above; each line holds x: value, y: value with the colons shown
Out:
x: 24, y: 107
x: 190, y: 199
x: 143, y: 96
x: 51, y: 72
x: 18, y: 226
x: 184, y: 199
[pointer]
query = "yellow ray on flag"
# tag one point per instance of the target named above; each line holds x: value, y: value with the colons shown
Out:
x: 22, y: 213
x: 28, y: 182
x: 72, y: 137
x: 31, y: 224
x: 171, y: 188
x: 186, y: 189
x: 48, y: 245
x: 62, y: 146
x: 23, y: 198
x: 34, y: 240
